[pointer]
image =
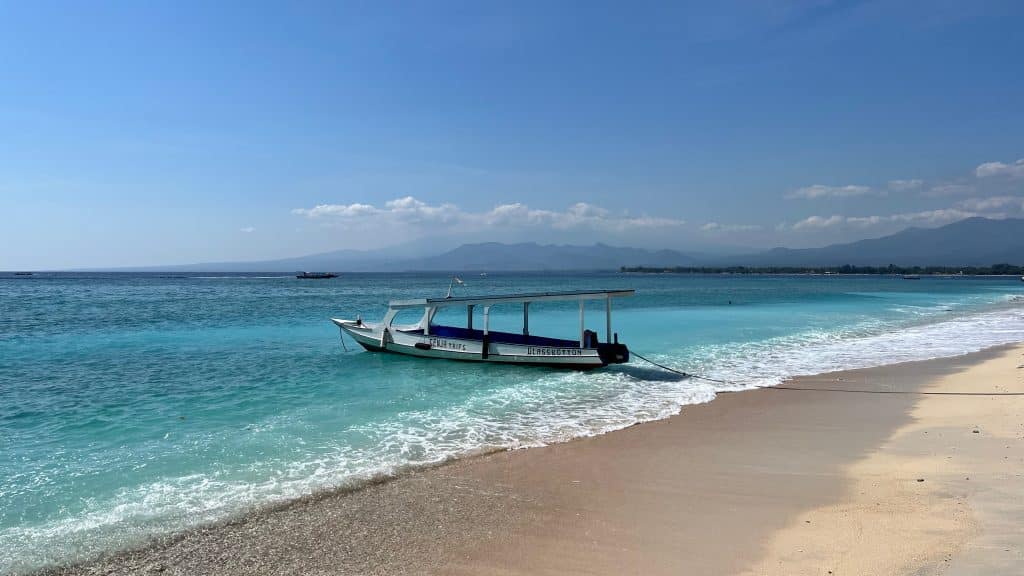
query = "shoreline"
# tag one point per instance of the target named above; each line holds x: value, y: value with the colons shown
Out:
x: 473, y: 507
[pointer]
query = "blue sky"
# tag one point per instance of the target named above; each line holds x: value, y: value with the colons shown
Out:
x: 158, y: 133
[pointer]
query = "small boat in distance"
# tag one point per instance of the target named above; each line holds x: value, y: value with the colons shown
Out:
x: 23, y: 273
x: 911, y: 277
x: 315, y: 275
x: 430, y: 340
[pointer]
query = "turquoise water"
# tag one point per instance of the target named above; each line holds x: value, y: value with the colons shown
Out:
x: 134, y: 404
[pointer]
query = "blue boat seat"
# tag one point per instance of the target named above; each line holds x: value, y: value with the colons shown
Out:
x: 500, y: 337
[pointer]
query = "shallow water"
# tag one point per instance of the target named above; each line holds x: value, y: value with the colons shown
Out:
x: 135, y: 404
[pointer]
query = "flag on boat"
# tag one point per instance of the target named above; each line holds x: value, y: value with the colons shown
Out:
x: 452, y: 284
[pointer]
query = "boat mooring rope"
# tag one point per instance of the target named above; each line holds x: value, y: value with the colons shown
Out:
x: 680, y: 372
x: 802, y: 389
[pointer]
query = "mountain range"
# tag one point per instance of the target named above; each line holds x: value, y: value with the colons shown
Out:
x: 970, y: 242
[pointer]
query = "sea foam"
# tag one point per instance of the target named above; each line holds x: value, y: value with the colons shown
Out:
x: 536, y: 408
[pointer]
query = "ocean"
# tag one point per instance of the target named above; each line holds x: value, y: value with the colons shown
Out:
x: 134, y: 405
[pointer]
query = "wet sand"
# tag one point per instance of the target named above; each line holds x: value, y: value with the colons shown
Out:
x: 759, y: 482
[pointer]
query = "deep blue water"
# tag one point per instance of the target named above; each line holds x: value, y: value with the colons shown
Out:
x: 135, y: 404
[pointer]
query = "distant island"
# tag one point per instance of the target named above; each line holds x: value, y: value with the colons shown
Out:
x: 993, y: 270
x: 969, y: 244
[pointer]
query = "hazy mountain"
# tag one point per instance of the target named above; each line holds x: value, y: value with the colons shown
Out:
x: 490, y: 256
x: 384, y: 259
x: 532, y: 256
x: 974, y: 241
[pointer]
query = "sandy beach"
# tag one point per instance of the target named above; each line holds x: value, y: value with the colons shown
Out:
x: 767, y: 481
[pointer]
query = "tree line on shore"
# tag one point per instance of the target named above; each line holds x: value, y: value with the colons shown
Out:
x: 993, y: 270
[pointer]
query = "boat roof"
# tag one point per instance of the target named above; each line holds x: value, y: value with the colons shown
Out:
x: 511, y: 298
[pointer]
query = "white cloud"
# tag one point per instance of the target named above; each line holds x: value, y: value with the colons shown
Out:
x: 247, y: 229
x: 409, y: 212
x: 1013, y: 203
x: 940, y: 216
x: 989, y: 169
x: 412, y: 210
x: 822, y: 191
x: 905, y: 185
x: 716, y: 227
x: 992, y: 207
x: 579, y: 215
x: 336, y: 210
x: 949, y: 190
x: 819, y: 222
x: 929, y: 217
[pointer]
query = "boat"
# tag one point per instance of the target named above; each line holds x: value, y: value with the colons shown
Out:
x: 315, y: 275
x: 911, y: 277
x: 23, y: 273
x: 428, y: 340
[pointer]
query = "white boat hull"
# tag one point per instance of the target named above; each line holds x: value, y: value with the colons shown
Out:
x: 413, y: 342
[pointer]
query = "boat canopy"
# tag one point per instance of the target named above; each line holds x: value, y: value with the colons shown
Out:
x: 510, y: 298
x: 431, y: 305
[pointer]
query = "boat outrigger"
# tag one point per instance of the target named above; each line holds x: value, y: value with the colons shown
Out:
x: 430, y: 340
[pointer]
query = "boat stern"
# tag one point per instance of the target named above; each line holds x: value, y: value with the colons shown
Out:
x: 613, y: 353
